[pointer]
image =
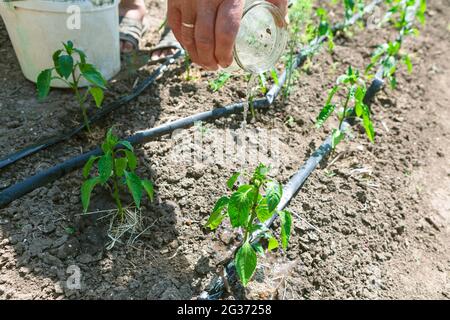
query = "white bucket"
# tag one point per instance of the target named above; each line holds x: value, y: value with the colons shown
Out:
x: 37, y: 29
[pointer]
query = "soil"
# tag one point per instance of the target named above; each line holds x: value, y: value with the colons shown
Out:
x: 373, y: 222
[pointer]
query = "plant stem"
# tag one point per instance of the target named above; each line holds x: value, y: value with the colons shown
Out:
x: 341, y: 120
x: 80, y: 101
x: 253, y: 214
x: 116, y: 189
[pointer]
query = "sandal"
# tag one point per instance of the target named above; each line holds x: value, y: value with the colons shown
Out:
x: 131, y: 30
x: 167, y: 41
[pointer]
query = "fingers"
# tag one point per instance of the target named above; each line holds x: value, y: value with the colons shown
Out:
x: 282, y: 5
x: 204, y: 34
x: 174, y: 20
x: 226, y: 29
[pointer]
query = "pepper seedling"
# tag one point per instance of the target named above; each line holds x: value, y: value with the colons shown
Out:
x: 388, y: 55
x: 248, y: 208
x: 355, y: 88
x: 71, y: 72
x: 117, y: 166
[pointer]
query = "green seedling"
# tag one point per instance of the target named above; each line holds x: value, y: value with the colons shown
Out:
x: 187, y: 67
x: 299, y: 18
x: 388, y: 55
x: 116, y: 166
x: 248, y: 208
x: 71, y: 72
x: 353, y: 7
x: 221, y: 80
x: 352, y: 106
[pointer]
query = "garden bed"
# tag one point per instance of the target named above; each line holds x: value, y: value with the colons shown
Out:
x: 372, y: 218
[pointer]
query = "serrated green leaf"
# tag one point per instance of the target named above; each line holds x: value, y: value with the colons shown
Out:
x: 274, y: 191
x: 98, y: 95
x: 148, y: 187
x: 43, y: 83
x: 286, y: 224
x: 232, y: 180
x: 240, y: 204
x: 88, y: 166
x: 245, y: 262
x: 135, y: 186
x: 86, y: 190
x: 105, y: 167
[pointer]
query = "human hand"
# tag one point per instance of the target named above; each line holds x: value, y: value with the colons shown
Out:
x: 207, y: 29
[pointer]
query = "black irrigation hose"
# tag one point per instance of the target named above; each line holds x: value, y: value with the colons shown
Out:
x: 27, y: 151
x: 217, y: 288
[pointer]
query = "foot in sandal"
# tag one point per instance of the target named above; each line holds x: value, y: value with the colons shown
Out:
x: 132, y: 28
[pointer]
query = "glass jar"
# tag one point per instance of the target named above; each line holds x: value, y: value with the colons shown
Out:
x: 261, y: 39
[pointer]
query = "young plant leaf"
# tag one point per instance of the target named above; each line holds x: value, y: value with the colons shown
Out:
x: 132, y: 160
x: 274, y: 191
x: 324, y: 114
x: 258, y: 249
x: 88, y: 166
x: 245, y: 262
x: 272, y: 243
x: 240, y: 204
x: 148, y: 187
x: 135, y: 186
x: 216, y: 216
x: 336, y: 137
x: 232, y: 180
x: 98, y: 95
x: 217, y: 84
x: 86, y: 190
x: 368, y: 126
x: 261, y: 172
x: 120, y: 166
x: 68, y: 46
x: 105, y: 167
x: 262, y: 210
x: 91, y: 74
x: 55, y: 57
x: 126, y: 144
x: 286, y: 224
x: 81, y: 54
x: 43, y: 83
x: 64, y: 67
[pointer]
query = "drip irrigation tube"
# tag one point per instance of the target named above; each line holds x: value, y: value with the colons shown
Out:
x: 24, y: 187
x: 27, y: 151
